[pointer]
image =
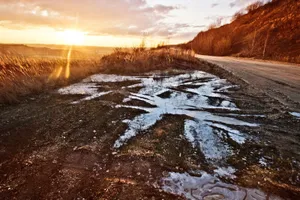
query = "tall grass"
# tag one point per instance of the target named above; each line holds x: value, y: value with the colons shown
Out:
x: 21, y: 76
x: 124, y: 61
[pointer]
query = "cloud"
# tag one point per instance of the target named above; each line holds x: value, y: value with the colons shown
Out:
x: 239, y: 3
x: 184, y: 25
x: 214, y: 5
x: 219, y: 20
x: 243, y: 3
x: 98, y: 17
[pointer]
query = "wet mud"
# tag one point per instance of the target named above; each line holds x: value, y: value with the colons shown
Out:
x: 162, y: 135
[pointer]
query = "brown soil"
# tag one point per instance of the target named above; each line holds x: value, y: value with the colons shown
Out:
x: 51, y: 149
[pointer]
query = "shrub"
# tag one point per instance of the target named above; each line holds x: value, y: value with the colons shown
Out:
x: 216, y: 24
x: 254, y: 6
x: 129, y: 61
x: 237, y: 15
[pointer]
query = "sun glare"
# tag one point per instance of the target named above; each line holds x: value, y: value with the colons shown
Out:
x: 73, y: 37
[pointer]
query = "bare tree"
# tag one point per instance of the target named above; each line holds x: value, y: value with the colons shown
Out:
x: 254, y: 6
x: 253, y: 42
x: 267, y: 39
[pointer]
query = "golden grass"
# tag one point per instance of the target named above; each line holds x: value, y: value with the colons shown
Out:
x: 136, y: 60
x: 21, y: 76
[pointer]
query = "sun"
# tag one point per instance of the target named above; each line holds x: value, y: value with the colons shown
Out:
x: 73, y: 37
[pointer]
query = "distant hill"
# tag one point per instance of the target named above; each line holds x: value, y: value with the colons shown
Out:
x: 270, y: 31
x: 25, y: 50
x: 98, y: 50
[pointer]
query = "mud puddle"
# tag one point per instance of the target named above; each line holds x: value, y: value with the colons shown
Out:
x: 205, y: 186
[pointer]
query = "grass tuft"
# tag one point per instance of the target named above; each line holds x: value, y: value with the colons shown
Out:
x: 20, y: 76
x: 136, y: 60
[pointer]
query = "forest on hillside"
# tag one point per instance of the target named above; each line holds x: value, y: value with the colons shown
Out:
x: 264, y: 31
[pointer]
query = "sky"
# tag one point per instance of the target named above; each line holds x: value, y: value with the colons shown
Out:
x: 110, y: 22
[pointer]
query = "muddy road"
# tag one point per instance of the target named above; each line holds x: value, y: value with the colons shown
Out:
x: 279, y: 80
x: 162, y: 135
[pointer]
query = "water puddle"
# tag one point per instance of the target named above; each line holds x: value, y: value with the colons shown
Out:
x: 197, y: 95
x: 208, y: 187
x: 213, y: 124
x: 295, y: 114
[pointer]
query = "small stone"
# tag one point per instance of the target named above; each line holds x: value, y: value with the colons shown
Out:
x: 155, y: 185
x: 28, y: 162
x: 54, y: 161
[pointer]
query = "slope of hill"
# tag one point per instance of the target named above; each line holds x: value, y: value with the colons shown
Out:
x: 25, y: 50
x: 271, y: 31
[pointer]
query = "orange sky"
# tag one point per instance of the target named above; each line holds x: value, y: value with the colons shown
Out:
x: 110, y: 23
x: 44, y: 35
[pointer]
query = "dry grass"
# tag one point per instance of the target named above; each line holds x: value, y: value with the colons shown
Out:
x: 21, y: 76
x: 136, y: 60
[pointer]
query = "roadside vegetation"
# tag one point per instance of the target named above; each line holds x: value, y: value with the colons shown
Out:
x: 264, y: 31
x: 139, y: 60
x: 21, y: 76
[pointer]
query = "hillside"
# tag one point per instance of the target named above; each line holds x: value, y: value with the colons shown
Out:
x: 270, y: 31
x: 25, y: 50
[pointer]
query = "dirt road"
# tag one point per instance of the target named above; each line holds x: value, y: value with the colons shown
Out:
x: 280, y: 81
